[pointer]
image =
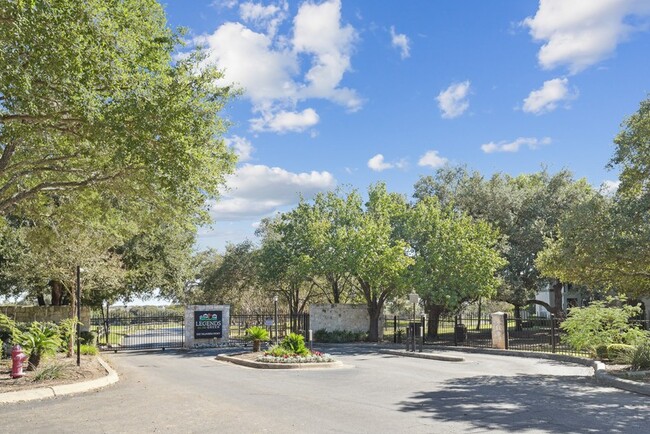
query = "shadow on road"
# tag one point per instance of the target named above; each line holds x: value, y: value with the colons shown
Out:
x: 523, y: 402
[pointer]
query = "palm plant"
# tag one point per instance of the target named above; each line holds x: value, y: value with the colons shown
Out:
x: 40, y: 340
x: 257, y: 334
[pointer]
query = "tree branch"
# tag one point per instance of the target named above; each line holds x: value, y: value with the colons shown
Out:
x: 7, y: 153
x: 8, y: 203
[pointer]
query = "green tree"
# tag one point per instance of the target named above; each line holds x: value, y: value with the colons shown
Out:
x: 603, y: 243
x: 375, y: 252
x: 526, y: 209
x: 456, y: 258
x: 91, y: 99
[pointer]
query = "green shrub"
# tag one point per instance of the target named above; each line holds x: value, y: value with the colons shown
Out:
x: 87, y: 337
x: 88, y: 350
x: 641, y: 356
x: 295, y: 343
x: 50, y: 372
x: 67, y: 329
x: 278, y: 351
x: 257, y: 333
x: 620, y: 353
x: 601, y: 352
x: 588, y: 328
x: 40, y: 340
x: 338, y: 336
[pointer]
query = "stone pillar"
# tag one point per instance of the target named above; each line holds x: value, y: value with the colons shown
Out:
x: 207, y: 326
x: 499, y: 331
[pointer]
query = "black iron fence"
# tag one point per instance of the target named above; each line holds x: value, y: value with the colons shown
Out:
x: 124, y: 330
x: 286, y: 323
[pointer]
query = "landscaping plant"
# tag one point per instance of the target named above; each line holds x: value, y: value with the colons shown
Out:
x: 40, y: 340
x: 257, y: 334
x: 641, y: 356
x: 600, y: 324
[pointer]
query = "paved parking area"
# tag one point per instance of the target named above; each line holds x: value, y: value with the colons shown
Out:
x: 191, y: 392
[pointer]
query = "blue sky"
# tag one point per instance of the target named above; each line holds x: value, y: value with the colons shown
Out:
x: 351, y: 92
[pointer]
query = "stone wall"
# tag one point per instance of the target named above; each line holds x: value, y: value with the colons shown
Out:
x: 344, y: 317
x: 28, y: 314
x: 191, y: 341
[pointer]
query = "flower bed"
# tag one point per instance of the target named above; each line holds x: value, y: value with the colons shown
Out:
x: 315, y: 357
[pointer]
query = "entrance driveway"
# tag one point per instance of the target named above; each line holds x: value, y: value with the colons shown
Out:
x: 191, y: 392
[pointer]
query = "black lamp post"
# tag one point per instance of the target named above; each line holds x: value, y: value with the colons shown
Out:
x: 275, y: 319
x: 78, y: 315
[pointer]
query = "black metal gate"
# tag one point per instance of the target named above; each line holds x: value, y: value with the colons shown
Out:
x: 137, y: 330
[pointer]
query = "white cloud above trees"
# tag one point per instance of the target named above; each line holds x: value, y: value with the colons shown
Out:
x: 515, y: 145
x: 257, y: 190
x: 581, y: 33
x: 432, y: 159
x: 547, y: 98
x: 269, y: 66
x: 453, y: 101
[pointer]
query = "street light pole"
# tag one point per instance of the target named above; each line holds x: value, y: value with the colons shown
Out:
x: 415, y: 299
x: 78, y: 315
x: 275, y: 319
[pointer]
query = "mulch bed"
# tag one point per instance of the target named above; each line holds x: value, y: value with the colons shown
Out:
x: 89, y: 370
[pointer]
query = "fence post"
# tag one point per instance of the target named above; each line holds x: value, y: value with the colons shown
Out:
x: 455, y: 325
x: 422, y: 328
x: 505, y: 327
x: 553, y: 333
x: 500, y: 331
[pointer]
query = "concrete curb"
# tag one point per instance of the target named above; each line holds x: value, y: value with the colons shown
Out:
x: 429, y: 356
x: 63, y: 389
x: 262, y: 365
x: 605, y: 379
x: 600, y: 372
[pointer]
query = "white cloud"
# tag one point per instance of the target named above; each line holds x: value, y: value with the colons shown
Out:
x: 583, y: 32
x: 318, y: 31
x: 546, y: 99
x: 609, y: 187
x: 503, y: 146
x: 284, y: 121
x: 250, y: 60
x: 378, y: 164
x: 257, y: 190
x: 453, y: 100
x: 401, y: 42
x: 268, y: 66
x: 267, y: 17
x: 242, y: 147
x: 432, y: 159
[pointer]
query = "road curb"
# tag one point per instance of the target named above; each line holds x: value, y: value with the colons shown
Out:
x: 262, y: 365
x: 605, y: 379
x: 429, y: 356
x: 111, y: 377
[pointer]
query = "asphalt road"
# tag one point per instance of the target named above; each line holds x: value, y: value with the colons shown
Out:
x: 191, y: 392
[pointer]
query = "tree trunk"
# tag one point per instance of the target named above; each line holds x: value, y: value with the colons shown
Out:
x: 518, y: 321
x: 557, y: 299
x: 41, y: 299
x: 435, y: 310
x: 57, y: 292
x: 374, y: 312
x: 478, y: 320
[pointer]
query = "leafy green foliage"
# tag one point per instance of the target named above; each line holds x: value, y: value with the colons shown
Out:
x: 620, y: 353
x: 279, y: 351
x: 257, y: 333
x: 51, y: 371
x: 9, y: 332
x: 295, y: 343
x: 601, y: 325
x: 339, y: 336
x: 89, y: 350
x: 40, y: 340
x: 641, y: 356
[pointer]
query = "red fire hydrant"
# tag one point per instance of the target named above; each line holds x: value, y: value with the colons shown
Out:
x: 17, y: 359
